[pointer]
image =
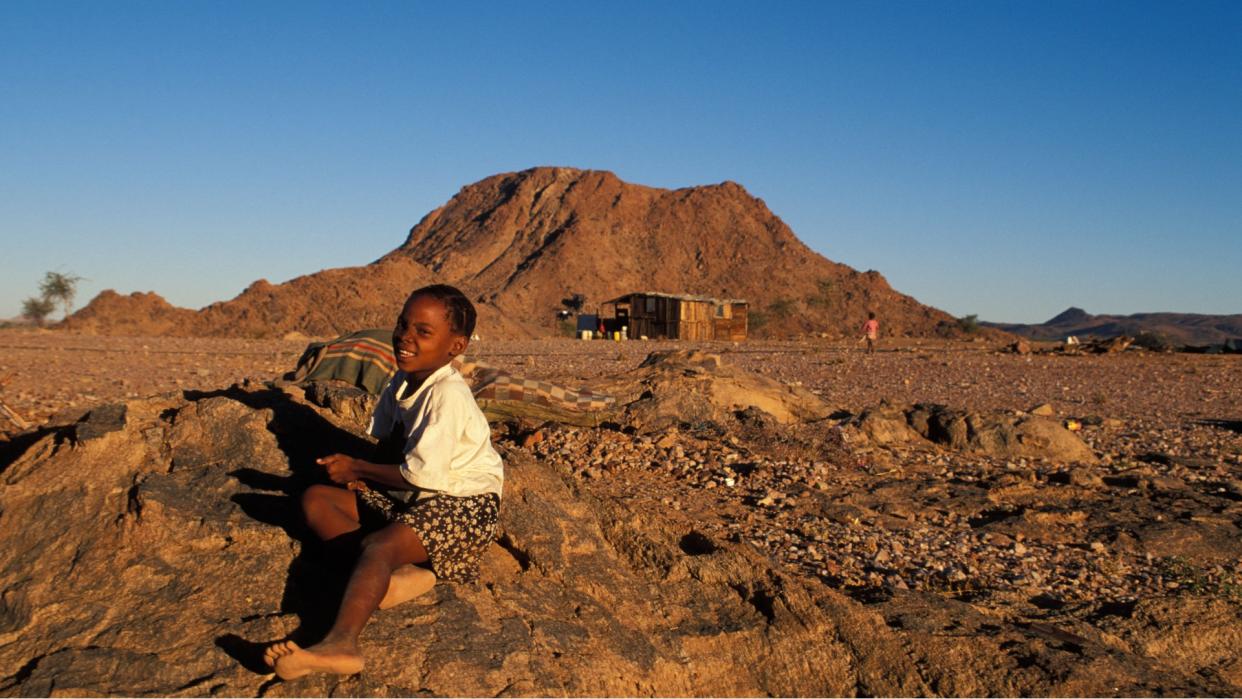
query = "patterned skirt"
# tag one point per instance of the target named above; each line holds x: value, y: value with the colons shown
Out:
x: 454, y: 530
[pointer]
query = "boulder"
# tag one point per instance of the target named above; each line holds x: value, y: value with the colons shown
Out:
x: 886, y: 424
x: 690, y: 386
x: 1000, y: 434
x: 997, y: 434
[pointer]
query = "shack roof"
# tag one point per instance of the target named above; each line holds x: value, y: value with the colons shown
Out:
x: 679, y: 297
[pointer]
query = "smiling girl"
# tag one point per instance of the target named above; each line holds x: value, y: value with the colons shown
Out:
x: 437, y: 507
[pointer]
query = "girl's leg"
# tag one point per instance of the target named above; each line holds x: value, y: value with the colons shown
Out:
x: 330, y: 511
x: 382, y: 552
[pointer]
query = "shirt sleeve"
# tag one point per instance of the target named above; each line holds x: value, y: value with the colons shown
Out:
x: 384, y: 417
x: 429, y: 451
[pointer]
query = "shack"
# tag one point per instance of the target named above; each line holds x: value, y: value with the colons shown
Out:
x: 678, y: 317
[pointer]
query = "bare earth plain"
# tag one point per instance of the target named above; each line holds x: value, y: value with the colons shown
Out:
x: 1138, y: 552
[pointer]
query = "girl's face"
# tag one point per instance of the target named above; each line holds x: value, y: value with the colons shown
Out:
x: 423, y: 340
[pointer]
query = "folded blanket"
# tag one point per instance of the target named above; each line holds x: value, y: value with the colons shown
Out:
x: 364, y: 359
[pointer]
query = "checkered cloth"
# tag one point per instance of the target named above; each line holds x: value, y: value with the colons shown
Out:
x: 489, y: 383
x: 364, y: 359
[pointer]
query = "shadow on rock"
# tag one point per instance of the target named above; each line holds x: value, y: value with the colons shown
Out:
x: 247, y: 653
x: 1231, y: 425
x: 302, y: 434
x: 315, y: 580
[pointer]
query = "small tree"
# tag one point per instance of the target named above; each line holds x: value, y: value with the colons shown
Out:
x: 823, y: 298
x: 60, y: 288
x: 969, y: 324
x: 781, y: 308
x: 37, y: 309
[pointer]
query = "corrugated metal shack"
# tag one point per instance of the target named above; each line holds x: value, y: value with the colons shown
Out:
x: 679, y: 317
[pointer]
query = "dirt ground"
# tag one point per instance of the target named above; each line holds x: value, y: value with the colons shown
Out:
x: 1163, y: 415
x: 43, y: 373
x: 1114, y: 551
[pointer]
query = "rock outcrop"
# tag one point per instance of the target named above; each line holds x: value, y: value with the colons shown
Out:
x: 519, y: 243
x: 154, y: 546
x: 151, y: 548
x: 1003, y: 435
x: 526, y: 240
x: 689, y: 386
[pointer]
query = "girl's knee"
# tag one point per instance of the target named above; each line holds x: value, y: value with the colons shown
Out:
x: 396, y: 543
x: 378, y: 540
x: 319, y: 499
x: 314, y: 497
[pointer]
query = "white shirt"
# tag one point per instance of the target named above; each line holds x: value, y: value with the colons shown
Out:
x: 448, y: 444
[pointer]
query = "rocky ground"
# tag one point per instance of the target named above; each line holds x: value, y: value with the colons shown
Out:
x: 1135, y: 552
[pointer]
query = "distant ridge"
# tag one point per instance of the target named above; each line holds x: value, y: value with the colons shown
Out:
x: 1071, y: 315
x: 1178, y: 329
x: 521, y: 242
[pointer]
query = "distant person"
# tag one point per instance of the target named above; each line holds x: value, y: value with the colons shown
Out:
x: 871, y: 331
x: 435, y: 505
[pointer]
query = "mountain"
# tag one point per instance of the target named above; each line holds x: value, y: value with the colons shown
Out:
x: 521, y: 242
x: 1178, y: 329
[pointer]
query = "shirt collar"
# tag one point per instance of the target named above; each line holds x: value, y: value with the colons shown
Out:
x: 436, y: 376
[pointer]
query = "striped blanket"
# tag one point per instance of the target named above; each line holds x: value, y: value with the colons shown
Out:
x: 364, y: 359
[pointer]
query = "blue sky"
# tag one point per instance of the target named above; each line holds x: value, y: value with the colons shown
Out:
x: 1006, y: 159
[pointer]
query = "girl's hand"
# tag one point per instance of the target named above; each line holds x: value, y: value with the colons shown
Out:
x: 340, y: 468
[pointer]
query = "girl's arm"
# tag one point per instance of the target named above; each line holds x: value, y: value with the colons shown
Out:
x: 343, y: 469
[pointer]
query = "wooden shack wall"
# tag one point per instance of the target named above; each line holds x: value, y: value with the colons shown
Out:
x: 696, y: 320
x: 680, y: 319
x: 659, y: 322
x: 738, y: 323
x: 731, y: 325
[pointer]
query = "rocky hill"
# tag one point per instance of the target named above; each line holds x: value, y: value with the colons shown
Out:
x: 522, y: 242
x: 322, y: 304
x: 1176, y: 329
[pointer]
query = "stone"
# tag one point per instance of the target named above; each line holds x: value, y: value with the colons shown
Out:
x: 1020, y: 346
x: 998, y: 434
x: 690, y: 386
x: 886, y: 424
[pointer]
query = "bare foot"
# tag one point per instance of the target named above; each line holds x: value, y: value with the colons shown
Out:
x: 408, y: 582
x: 290, y: 661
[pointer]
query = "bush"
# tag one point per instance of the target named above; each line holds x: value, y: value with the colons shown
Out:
x: 781, y: 308
x: 823, y: 297
x: 60, y: 288
x: 38, y: 309
x: 968, y: 324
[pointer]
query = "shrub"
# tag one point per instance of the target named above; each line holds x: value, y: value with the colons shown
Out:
x: 822, y: 297
x: 38, y: 309
x: 60, y: 288
x: 781, y: 308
